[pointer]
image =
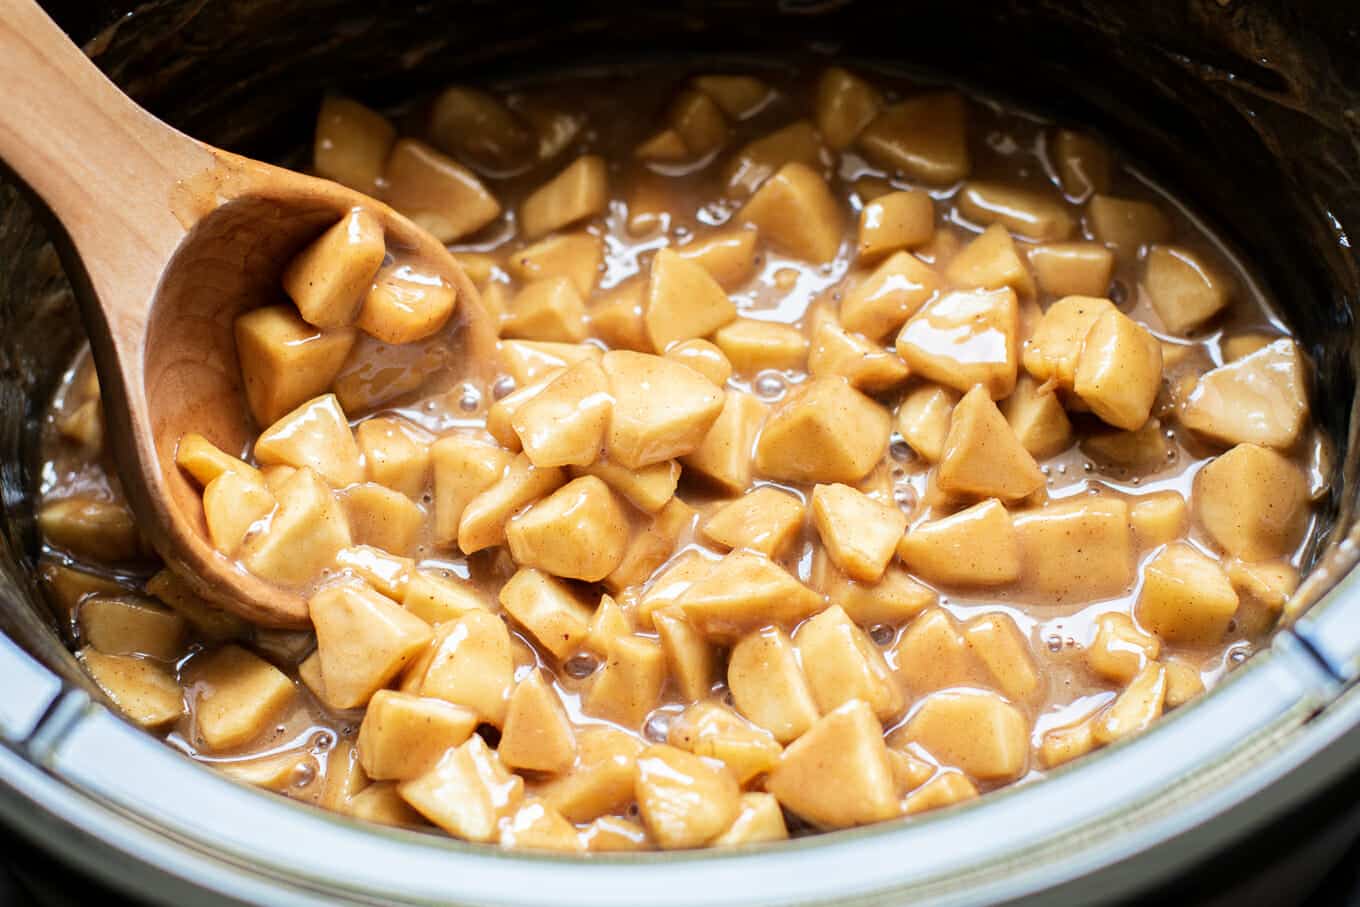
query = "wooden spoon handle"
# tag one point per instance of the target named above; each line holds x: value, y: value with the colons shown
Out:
x: 104, y: 167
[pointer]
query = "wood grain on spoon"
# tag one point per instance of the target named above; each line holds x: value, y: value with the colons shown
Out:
x: 166, y: 241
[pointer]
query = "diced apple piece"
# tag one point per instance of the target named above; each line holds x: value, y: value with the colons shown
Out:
x: 436, y: 597
x: 236, y: 696
x: 1034, y: 215
x: 923, y: 420
x: 729, y: 256
x: 601, y: 781
x: 306, y: 531
x: 859, y: 533
x: 1134, y: 709
x: 538, y: 735
x: 143, y: 691
x: 768, y: 685
x: 764, y: 519
x: 404, y: 736
x: 752, y: 345
x: 1158, y: 518
x: 1263, y: 591
x: 711, y: 730
x: 1126, y: 225
x: 351, y: 143
x: 974, y: 547
x: 661, y: 409
x: 978, y: 732
x: 1183, y: 683
x: 965, y: 338
x: 478, y: 127
x: 758, y: 820
x: 755, y: 162
x: 685, y: 801
x: 205, y: 461
x: 983, y: 457
x: 469, y: 663
x: 1142, y: 450
x: 934, y: 654
x: 1186, y: 598
x: 997, y: 643
x: 666, y: 145
x: 463, y: 469
x: 315, y: 435
x: 329, y: 279
x: 738, y: 96
x: 131, y: 626
x: 65, y: 587
x: 382, y: 804
x: 699, y: 122
x: 485, y: 517
x: 547, y: 310
x: 383, y: 518
x: 579, y: 531
x: 704, y: 357
x: 666, y: 589
x: 1077, y: 550
x: 691, y: 660
x: 364, y: 640
x: 406, y: 304
x: 629, y: 685
x: 528, y: 361
x: 842, y: 664
x: 867, y: 366
x: 208, y: 620
x: 724, y: 456
x: 537, y: 826
x: 1120, y: 649
x: 438, y: 193
x: 1082, y: 164
x: 285, y: 361
x: 467, y: 793
x: 683, y: 301
x: 743, y: 591
x: 825, y: 431
x: 653, y: 545
x: 1261, y: 398
x: 1184, y: 291
x: 616, y: 317
x: 611, y: 834
x: 1072, y: 268
x: 396, y: 454
x: 838, y: 774
x: 1237, y: 346
x: 844, y: 104
x: 1119, y: 370
x: 1252, y: 502
x: 385, y: 572
x: 565, y: 424
x: 548, y: 609
x: 1038, y: 419
x: 924, y: 137
x: 575, y: 256
x: 1052, y: 351
x: 892, y: 600
x: 648, y: 489
x: 945, y: 789
x: 990, y: 262
x: 581, y: 190
x: 232, y: 503
x: 797, y: 214
x: 1063, y: 744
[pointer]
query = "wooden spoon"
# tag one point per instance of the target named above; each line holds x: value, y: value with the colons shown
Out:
x: 166, y: 240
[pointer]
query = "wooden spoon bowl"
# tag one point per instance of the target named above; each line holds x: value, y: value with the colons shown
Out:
x: 167, y: 241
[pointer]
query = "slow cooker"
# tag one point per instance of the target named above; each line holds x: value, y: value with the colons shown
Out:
x: 1250, y: 109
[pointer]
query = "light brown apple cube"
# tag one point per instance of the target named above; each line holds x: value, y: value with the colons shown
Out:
x: 1158, y: 518
x: 743, y: 591
x: 652, y: 545
x: 315, y: 435
x: 1082, y: 163
x: 601, y: 781
x: 648, y: 489
x: 439, y: 194
x: 965, y: 338
x: 611, y: 834
x: 606, y: 624
x: 396, y: 454
x: 306, y: 531
x: 838, y: 774
x: 538, y: 735
x: 1072, y: 268
x: 144, y: 691
x: 1063, y: 744
x: 383, y: 518
x: 892, y: 600
x: 1184, y: 290
x: 667, y: 587
x: 685, y: 800
x: 364, y: 640
x: 844, y: 105
x: 842, y: 664
x: 527, y: 361
x: 756, y: 161
x: 232, y: 504
x: 329, y: 279
x: 205, y: 461
x: 629, y: 684
x: 699, y: 122
x: 924, y: 137
x: 1145, y: 449
x: 477, y: 126
x: 537, y: 826
x: 983, y: 457
x: 945, y: 789
x: 978, y: 732
x: 682, y: 301
x: 616, y: 317
x: 565, y: 423
x: 666, y: 145
x: 547, y: 310
x: 1037, y: 417
x: 1261, y: 398
x: 923, y: 419
x: 131, y: 626
x: 1120, y: 649
x: 385, y: 572
x: 825, y: 431
x: 974, y: 547
x: 484, y: 519
x: 1035, y: 215
x: 662, y: 409
x: 1052, y: 351
x: 724, y: 455
x: 882, y: 302
x: 1126, y: 225
x: 729, y: 255
x: 500, y: 418
x: 859, y: 533
x: 990, y: 262
x: 1236, y: 346
x: 738, y: 96
x: 714, y: 731
x: 581, y: 190
x: 759, y: 820
x: 997, y: 643
x: 438, y: 597
x: 237, y: 695
x: 404, y: 736
x: 1101, y: 566
x: 285, y: 361
x: 1119, y: 370
x: 548, y: 609
x: 467, y: 793
x: 65, y: 587
x: 704, y: 357
x: 469, y: 663
x: 380, y: 803
x: 208, y: 620
x: 1183, y: 683
x: 1263, y: 592
x: 689, y: 657
x: 895, y: 222
x: 579, y: 531
x: 1186, y: 598
x: 575, y: 256
x: 406, y: 304
x: 764, y: 519
x: 768, y: 685
x: 463, y: 468
x: 1252, y: 502
x: 934, y: 654
x: 752, y: 346
x: 351, y: 143
x: 837, y: 352
x: 797, y: 214
x: 1133, y: 710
